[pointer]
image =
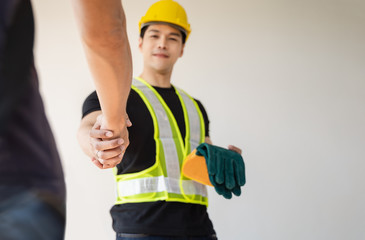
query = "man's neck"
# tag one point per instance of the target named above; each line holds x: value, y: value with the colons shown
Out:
x: 156, y: 79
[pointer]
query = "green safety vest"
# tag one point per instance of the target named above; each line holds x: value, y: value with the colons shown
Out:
x: 164, y: 180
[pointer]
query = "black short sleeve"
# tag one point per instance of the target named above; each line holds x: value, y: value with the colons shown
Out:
x: 91, y: 104
x: 205, y: 116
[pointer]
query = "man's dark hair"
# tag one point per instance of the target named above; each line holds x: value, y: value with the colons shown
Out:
x: 143, y: 31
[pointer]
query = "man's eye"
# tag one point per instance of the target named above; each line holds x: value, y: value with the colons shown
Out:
x: 154, y: 36
x: 173, y: 39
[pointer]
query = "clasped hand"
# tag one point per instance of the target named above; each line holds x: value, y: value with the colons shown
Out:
x: 108, y: 145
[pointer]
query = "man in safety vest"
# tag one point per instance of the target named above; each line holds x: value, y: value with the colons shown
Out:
x: 155, y: 201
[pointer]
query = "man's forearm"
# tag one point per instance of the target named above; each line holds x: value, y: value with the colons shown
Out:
x: 83, y: 134
x: 111, y: 69
x: 103, y: 31
x: 83, y: 139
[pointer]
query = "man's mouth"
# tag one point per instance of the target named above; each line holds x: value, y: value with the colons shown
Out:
x: 161, y: 55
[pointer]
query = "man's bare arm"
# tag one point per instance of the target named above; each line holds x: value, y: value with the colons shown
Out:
x: 103, y: 32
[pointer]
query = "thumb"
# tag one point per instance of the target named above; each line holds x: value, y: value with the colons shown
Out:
x: 128, y: 121
x: 97, y: 124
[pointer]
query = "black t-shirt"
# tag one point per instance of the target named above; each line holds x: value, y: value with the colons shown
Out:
x: 160, y: 217
x: 28, y: 154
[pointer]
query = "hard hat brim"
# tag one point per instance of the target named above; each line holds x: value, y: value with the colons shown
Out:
x: 165, y: 23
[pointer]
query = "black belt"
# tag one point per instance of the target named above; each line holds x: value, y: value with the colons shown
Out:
x: 132, y: 235
x: 137, y: 235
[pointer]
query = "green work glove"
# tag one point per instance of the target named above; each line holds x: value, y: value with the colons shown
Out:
x: 225, y: 167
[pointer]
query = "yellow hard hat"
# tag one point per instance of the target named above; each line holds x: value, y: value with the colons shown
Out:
x: 167, y: 11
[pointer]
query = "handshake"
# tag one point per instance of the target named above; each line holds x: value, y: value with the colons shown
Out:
x: 226, y: 169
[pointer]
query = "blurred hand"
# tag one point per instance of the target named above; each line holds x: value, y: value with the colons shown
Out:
x: 226, y: 168
x: 108, y: 145
x: 235, y: 149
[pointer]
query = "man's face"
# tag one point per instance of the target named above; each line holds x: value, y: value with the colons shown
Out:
x: 161, y: 46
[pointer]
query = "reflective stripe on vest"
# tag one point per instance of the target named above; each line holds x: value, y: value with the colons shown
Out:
x: 159, y: 184
x: 164, y: 181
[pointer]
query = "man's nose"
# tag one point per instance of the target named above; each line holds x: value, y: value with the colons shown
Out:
x: 162, y: 43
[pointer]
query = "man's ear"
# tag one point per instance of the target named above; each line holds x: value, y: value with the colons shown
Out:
x: 140, y: 42
x: 182, y: 50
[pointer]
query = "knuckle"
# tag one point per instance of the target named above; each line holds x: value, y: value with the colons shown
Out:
x: 110, y: 164
x: 116, y: 152
x: 113, y: 143
x: 114, y: 162
x: 97, y: 146
x: 92, y: 133
x: 101, y: 154
x: 92, y: 140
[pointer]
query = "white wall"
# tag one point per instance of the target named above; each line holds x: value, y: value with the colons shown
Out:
x: 284, y: 80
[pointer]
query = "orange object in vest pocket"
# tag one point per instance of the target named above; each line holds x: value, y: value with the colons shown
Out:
x: 195, y: 168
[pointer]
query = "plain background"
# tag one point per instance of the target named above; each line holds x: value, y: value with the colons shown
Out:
x: 284, y: 80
